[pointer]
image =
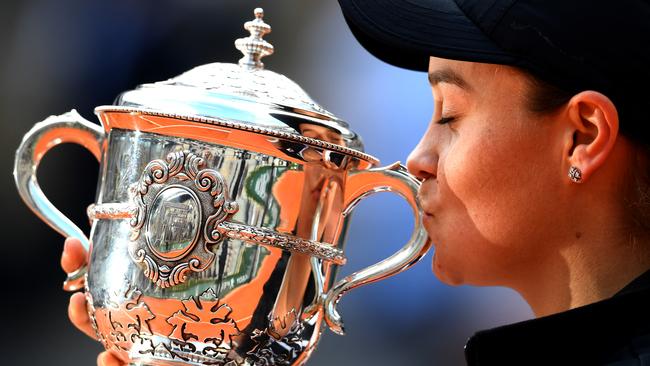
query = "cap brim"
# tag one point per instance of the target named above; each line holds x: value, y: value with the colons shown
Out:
x: 407, y: 33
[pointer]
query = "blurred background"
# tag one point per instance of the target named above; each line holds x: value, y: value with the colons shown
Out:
x: 64, y: 54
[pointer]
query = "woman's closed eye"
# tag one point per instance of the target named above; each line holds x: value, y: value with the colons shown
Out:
x: 445, y: 120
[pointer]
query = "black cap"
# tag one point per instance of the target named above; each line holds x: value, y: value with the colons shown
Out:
x: 576, y: 45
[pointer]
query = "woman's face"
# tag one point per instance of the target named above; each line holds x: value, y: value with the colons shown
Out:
x: 493, y: 175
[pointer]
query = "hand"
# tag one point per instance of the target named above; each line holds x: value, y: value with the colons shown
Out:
x: 73, y: 257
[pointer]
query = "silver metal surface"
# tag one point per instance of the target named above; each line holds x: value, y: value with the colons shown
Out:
x: 66, y: 128
x: 250, y: 96
x: 393, y: 178
x: 298, y: 145
x: 170, y: 200
x: 221, y: 212
x: 258, y: 289
x: 291, y: 243
x: 249, y: 234
x: 254, y: 47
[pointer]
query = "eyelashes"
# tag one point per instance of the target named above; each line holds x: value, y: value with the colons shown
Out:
x: 445, y: 120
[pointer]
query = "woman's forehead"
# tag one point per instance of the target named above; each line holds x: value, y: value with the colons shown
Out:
x: 468, y: 71
x: 475, y: 77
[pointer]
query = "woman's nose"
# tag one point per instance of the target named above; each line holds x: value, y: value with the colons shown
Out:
x: 423, y: 160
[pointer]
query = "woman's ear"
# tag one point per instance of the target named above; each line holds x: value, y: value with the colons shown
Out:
x: 592, y: 132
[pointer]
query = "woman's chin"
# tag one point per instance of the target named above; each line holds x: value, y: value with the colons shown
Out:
x: 443, y: 272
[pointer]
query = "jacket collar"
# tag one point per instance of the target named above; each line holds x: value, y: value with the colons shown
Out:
x: 639, y: 284
x: 591, y: 334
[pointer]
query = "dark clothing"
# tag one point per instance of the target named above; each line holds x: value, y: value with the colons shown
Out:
x: 612, y: 332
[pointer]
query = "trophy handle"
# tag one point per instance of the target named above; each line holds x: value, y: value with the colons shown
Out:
x: 361, y: 184
x: 68, y: 127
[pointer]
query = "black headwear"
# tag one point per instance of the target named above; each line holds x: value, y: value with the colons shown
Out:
x: 577, y: 45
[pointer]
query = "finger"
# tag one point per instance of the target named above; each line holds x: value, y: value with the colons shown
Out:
x: 74, y: 255
x: 108, y: 359
x: 79, y: 315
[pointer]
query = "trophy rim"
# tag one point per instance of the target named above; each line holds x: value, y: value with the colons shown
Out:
x: 229, y: 123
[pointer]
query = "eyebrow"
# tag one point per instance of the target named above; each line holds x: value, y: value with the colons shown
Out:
x: 448, y: 76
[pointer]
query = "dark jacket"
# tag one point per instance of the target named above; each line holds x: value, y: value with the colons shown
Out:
x: 612, y: 332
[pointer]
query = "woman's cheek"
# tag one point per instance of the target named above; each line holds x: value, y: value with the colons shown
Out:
x: 475, y: 191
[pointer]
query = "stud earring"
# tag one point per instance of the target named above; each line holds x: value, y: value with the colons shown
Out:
x: 575, y: 174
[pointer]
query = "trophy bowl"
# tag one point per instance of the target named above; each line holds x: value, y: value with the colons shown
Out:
x: 223, y: 200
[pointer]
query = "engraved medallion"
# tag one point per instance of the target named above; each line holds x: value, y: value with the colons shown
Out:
x: 172, y: 198
x: 174, y: 222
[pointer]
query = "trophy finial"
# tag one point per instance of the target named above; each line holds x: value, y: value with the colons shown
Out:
x: 254, y: 47
x: 259, y: 13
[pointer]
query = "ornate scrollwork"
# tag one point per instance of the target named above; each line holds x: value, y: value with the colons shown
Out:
x: 200, y: 328
x: 206, y: 195
x: 170, y: 199
x: 280, y: 343
x: 272, y: 238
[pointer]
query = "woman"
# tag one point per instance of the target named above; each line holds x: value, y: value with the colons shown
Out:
x: 534, y: 166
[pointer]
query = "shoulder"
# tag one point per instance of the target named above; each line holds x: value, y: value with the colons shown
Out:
x: 613, y: 332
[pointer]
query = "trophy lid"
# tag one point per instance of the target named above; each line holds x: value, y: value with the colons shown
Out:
x: 246, y: 94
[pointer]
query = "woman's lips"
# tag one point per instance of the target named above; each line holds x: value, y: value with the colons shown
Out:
x: 427, y: 209
x: 428, y: 221
x: 427, y: 218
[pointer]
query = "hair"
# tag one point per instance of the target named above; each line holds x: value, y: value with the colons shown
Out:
x: 543, y: 97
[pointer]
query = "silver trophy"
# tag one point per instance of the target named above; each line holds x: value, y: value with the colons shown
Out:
x: 221, y: 211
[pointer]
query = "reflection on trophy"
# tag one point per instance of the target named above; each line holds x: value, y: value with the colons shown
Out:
x: 222, y: 207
